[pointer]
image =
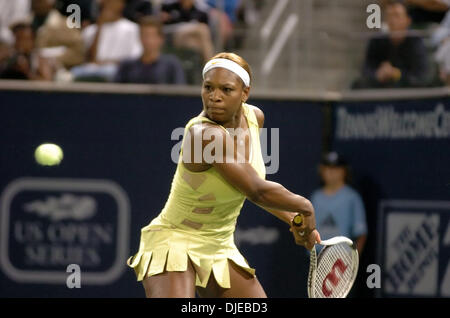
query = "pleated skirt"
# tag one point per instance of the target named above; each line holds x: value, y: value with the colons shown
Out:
x: 166, y: 247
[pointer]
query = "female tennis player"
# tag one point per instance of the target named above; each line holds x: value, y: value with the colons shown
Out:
x: 190, y: 246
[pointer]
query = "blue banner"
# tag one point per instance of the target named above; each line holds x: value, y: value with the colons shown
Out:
x: 399, y: 153
x: 115, y: 178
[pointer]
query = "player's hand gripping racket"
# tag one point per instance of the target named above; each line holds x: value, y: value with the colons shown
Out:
x: 333, y: 272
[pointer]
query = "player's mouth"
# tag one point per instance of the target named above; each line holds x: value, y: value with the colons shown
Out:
x: 216, y: 110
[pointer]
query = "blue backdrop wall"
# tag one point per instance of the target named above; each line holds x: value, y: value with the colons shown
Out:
x: 114, y: 178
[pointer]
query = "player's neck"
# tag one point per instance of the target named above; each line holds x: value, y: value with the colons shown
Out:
x: 236, y: 121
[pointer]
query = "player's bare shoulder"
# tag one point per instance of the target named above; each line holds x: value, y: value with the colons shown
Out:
x: 196, y: 141
x: 205, y: 132
x: 259, y: 115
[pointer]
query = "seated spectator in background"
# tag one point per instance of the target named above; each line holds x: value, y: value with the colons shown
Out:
x: 136, y: 9
x: 5, y: 54
x: 230, y: 8
x: 427, y: 11
x: 223, y: 18
x: 441, y: 41
x: 11, y: 12
x: 53, y: 37
x: 110, y: 40
x: 25, y: 63
x: 152, y: 67
x: 189, y: 25
x: 396, y: 59
x: 339, y: 208
x: 423, y: 12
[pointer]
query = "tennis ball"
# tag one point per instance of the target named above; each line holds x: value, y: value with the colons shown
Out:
x: 48, y: 154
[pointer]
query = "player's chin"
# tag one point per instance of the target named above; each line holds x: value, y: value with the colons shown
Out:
x: 217, y: 116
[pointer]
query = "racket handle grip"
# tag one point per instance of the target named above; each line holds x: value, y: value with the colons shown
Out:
x: 297, y: 220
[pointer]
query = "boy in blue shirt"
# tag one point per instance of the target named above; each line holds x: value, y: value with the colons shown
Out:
x: 339, y: 208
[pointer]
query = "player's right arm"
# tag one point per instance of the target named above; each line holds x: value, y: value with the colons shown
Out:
x: 242, y: 175
x: 269, y: 195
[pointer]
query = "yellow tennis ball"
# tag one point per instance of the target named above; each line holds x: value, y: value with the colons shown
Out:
x: 48, y: 154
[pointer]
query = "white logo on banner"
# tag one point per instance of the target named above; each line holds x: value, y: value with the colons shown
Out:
x: 256, y: 235
x: 47, y: 224
x: 411, y: 253
x: 413, y: 248
x: 389, y: 123
x: 68, y: 206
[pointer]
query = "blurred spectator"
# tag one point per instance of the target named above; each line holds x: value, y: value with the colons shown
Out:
x: 427, y: 11
x: 55, y: 39
x: 442, y: 32
x: 25, y: 63
x: 136, y: 9
x: 339, y: 208
x: 441, y: 41
x: 229, y: 7
x: 423, y: 12
x: 110, y: 40
x: 5, y: 54
x: 189, y: 25
x: 223, y: 18
x: 152, y: 67
x: 397, y: 59
x: 176, y: 11
x: 12, y: 12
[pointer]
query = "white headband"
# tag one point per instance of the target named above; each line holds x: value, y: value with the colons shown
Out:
x: 229, y: 65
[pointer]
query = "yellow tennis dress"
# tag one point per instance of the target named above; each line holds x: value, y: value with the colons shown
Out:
x: 198, y: 221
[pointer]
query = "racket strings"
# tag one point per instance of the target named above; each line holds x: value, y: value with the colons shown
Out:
x: 335, y: 271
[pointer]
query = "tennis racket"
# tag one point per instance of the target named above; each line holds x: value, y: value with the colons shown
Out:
x: 333, y: 272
